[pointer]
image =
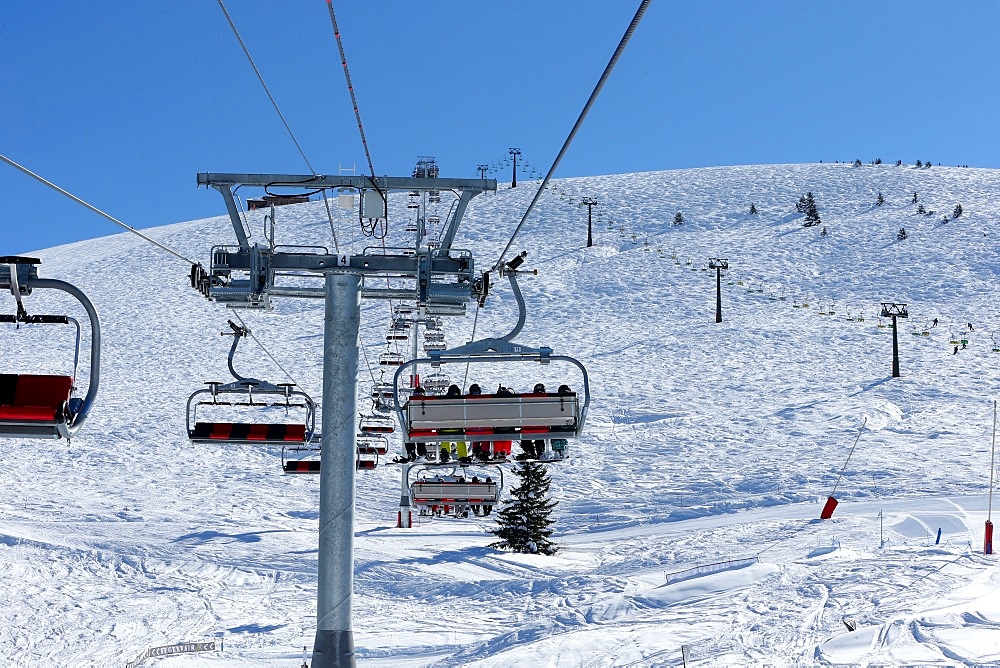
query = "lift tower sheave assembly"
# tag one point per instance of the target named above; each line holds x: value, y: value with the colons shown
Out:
x: 440, y: 280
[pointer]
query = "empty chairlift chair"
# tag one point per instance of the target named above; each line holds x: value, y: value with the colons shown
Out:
x: 42, y: 405
x: 249, y: 411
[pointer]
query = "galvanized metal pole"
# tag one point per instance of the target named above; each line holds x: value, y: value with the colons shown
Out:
x: 718, y: 293
x: 895, y: 349
x: 334, y: 644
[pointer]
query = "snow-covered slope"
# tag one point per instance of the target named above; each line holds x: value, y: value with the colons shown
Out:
x: 706, y: 442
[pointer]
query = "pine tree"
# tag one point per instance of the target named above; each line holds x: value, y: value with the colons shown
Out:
x: 678, y: 218
x: 879, y: 200
x: 957, y: 211
x: 919, y: 164
x: 823, y: 233
x: 921, y: 209
x: 753, y: 208
x: 526, y: 516
x: 812, y: 214
x: 800, y: 206
x: 902, y: 234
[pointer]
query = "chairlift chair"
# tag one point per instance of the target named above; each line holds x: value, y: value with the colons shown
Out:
x: 366, y: 459
x: 449, y: 490
x: 376, y: 442
x: 382, y: 391
x: 395, y: 334
x: 42, y: 405
x: 376, y: 424
x: 436, y: 382
x: 391, y: 359
x: 300, y: 458
x: 253, y: 403
x: 434, y: 345
x: 490, y: 417
x: 434, y: 335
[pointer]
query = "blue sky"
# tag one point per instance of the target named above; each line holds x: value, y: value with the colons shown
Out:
x: 122, y: 103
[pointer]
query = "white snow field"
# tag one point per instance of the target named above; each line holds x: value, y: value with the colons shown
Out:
x: 705, y: 442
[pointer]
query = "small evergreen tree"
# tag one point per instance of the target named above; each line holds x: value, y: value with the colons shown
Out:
x: 800, y: 206
x: 919, y: 164
x: 812, y: 214
x: 753, y: 208
x: 823, y: 233
x: 899, y: 163
x: 878, y: 161
x: 957, y: 211
x: 927, y: 164
x: 524, y: 520
x: 921, y: 209
x: 678, y: 218
x: 902, y: 234
x: 879, y: 200
x: 914, y: 198
x: 857, y: 162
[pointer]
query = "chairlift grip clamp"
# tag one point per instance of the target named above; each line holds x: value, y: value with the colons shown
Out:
x: 544, y: 354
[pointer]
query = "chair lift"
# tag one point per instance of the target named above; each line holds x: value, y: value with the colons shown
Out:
x: 367, y: 458
x: 487, y: 417
x: 434, y: 345
x: 395, y: 334
x: 433, y: 335
x: 302, y: 458
x: 391, y: 359
x: 37, y: 405
x: 435, y: 383
x: 251, y: 401
x: 382, y: 391
x: 376, y: 424
x: 447, y: 489
x: 376, y: 442
x: 402, y: 309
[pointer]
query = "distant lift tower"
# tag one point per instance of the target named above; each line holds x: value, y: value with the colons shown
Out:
x: 590, y: 203
x: 514, y: 152
x: 892, y: 310
x: 441, y: 280
x: 718, y: 263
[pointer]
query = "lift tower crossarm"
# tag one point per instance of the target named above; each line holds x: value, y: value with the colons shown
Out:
x: 224, y: 182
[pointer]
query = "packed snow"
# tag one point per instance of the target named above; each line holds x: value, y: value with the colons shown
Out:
x: 688, y: 513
